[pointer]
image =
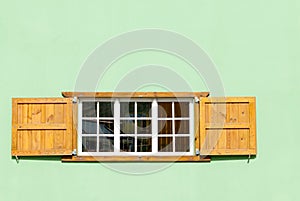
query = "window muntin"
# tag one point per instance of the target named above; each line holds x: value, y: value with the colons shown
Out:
x: 122, y: 126
x: 174, y: 126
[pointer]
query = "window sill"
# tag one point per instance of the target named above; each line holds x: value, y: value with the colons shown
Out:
x: 134, y: 159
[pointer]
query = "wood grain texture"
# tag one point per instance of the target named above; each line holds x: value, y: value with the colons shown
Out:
x: 197, y: 125
x: 42, y: 126
x: 75, y: 126
x: 135, y: 94
x: 228, y: 126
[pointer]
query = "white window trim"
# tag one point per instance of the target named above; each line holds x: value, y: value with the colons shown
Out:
x: 154, y: 118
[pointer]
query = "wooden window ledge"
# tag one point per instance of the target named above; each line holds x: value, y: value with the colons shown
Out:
x: 134, y: 159
x: 135, y: 94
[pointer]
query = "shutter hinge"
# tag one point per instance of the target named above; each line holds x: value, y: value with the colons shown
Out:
x: 74, y: 152
x: 74, y: 100
x: 196, y: 99
x: 197, y: 152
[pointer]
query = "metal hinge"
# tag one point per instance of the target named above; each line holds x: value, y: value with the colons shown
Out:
x: 74, y: 152
x: 197, y: 152
x: 74, y: 100
x: 197, y: 100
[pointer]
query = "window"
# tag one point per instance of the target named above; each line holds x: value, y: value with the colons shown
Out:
x: 120, y: 126
x: 141, y: 126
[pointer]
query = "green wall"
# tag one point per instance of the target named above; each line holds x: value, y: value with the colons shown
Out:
x: 254, y: 44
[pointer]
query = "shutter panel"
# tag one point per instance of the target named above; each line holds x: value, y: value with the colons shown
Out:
x: 41, y: 126
x: 228, y: 126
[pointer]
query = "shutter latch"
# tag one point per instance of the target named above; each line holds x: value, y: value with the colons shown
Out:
x: 74, y: 152
x: 249, y: 157
x: 17, y: 158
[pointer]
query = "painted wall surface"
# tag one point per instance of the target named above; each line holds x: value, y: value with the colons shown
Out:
x: 254, y: 45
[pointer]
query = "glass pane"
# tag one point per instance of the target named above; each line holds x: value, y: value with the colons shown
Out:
x: 144, y: 144
x: 181, y: 109
x: 127, y: 109
x: 165, y: 144
x: 106, y: 144
x: 106, y: 126
x: 164, y: 126
x: 106, y: 109
x: 89, y: 144
x: 144, y: 127
x: 164, y: 109
x: 127, y: 126
x: 144, y: 109
x: 127, y: 144
x: 89, y: 127
x: 182, y: 144
x: 182, y: 127
x: 89, y: 109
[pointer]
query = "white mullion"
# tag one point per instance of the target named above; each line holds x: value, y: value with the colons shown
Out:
x: 117, y: 124
x: 192, y: 134
x: 154, y: 126
x: 98, y: 135
x: 79, y: 140
x: 173, y: 125
x: 89, y: 135
x: 135, y: 126
x: 176, y: 118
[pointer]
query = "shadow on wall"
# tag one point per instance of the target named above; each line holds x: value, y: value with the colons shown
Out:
x: 36, y: 158
x: 58, y: 158
x: 231, y: 158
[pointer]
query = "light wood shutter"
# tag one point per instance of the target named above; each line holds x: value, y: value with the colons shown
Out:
x: 228, y: 126
x: 42, y: 126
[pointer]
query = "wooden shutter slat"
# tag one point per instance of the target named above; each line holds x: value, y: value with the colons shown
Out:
x: 197, y: 125
x: 39, y: 100
x: 214, y: 125
x: 228, y: 126
x: 42, y: 126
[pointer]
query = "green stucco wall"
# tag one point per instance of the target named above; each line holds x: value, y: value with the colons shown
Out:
x: 254, y: 45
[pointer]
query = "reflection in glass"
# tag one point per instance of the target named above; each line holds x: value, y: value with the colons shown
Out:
x: 106, y: 144
x: 165, y: 144
x: 106, y: 109
x: 89, y: 127
x: 127, y: 109
x: 144, y: 144
x: 144, y: 127
x: 127, y: 126
x: 144, y: 109
x: 182, y: 144
x: 106, y: 126
x: 181, y: 109
x: 89, y: 144
x: 164, y: 126
x: 182, y: 126
x: 164, y: 109
x: 89, y: 109
x: 127, y: 144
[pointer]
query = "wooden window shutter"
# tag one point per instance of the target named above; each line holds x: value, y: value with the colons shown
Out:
x: 42, y: 126
x: 228, y: 126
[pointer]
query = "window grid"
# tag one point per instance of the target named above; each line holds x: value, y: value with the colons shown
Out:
x: 98, y: 124
x: 154, y: 127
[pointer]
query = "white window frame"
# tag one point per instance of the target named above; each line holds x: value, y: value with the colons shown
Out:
x: 154, y: 123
